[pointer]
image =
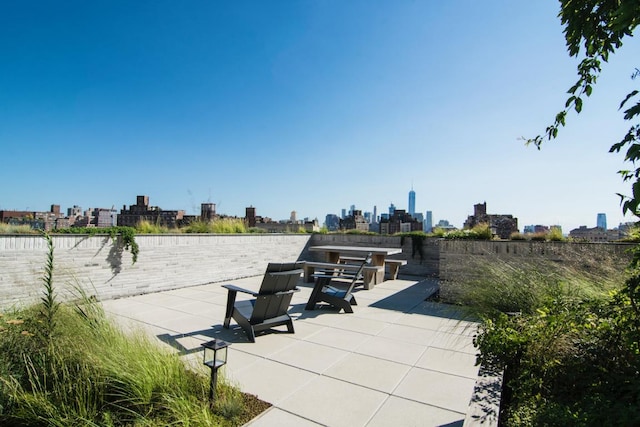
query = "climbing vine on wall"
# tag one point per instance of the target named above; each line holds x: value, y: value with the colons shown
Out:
x: 127, y: 234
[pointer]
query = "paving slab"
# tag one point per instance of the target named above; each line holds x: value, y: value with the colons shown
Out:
x: 391, y: 349
x: 333, y: 402
x: 397, y: 411
x: 272, y: 381
x: 371, y: 372
x: 445, y: 391
x: 398, y: 360
x: 277, y: 417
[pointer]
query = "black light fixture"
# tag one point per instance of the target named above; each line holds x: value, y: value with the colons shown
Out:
x: 215, y: 356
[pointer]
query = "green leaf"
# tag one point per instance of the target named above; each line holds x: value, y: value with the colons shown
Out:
x: 632, y: 112
x: 578, y: 106
x: 629, y: 96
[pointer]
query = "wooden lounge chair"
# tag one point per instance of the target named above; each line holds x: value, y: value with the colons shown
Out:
x: 269, y: 308
x: 335, y: 287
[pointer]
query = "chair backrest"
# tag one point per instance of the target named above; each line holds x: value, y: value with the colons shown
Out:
x: 358, y: 274
x: 280, y: 277
x: 276, y: 290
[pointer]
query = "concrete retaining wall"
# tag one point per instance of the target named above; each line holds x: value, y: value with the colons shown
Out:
x: 462, y: 261
x: 101, y: 268
x: 166, y: 261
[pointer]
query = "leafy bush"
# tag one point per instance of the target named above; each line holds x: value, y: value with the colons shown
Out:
x: 567, y: 337
x: 478, y: 232
x: 555, y: 235
x: 538, y: 237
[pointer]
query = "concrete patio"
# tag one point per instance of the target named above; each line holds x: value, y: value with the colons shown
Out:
x: 398, y: 360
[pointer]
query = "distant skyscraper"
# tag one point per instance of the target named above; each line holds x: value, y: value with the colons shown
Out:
x: 344, y: 214
x: 375, y: 214
x: 429, y: 222
x: 412, y: 202
x: 602, y: 221
x: 392, y: 209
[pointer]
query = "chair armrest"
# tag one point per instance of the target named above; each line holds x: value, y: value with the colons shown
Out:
x: 235, y: 288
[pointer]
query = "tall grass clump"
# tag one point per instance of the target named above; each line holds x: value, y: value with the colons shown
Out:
x: 16, y: 229
x: 147, y: 227
x: 478, y: 232
x: 217, y: 226
x: 228, y: 226
x: 555, y: 235
x: 565, y: 333
x: 90, y: 373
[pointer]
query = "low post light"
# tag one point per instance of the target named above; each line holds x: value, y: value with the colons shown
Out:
x: 215, y: 356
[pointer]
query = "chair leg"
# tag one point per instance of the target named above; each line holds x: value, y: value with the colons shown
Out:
x: 250, y: 334
x: 231, y: 300
x: 290, y: 326
x: 313, y: 299
x: 346, y: 307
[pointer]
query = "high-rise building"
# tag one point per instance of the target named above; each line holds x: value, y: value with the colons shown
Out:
x: 332, y: 222
x: 602, y: 221
x: 294, y: 216
x: 375, y: 215
x: 141, y: 211
x: 412, y: 202
x: 208, y: 211
x: 250, y: 216
x: 392, y: 209
x: 75, y: 211
x: 428, y: 222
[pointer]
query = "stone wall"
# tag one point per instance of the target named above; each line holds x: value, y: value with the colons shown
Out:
x: 168, y: 261
x: 102, y: 268
x: 463, y: 261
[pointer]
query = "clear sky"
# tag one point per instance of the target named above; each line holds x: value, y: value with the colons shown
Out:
x: 310, y: 106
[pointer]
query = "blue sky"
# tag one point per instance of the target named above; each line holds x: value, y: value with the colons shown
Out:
x: 310, y: 106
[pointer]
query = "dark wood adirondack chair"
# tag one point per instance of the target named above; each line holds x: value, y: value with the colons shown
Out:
x: 269, y: 308
x: 335, y: 287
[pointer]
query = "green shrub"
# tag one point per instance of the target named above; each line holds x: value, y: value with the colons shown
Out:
x: 538, y: 237
x: 218, y: 226
x: 16, y: 229
x: 438, y: 232
x: 555, y: 235
x: 567, y: 336
x: 147, y: 227
x: 478, y: 232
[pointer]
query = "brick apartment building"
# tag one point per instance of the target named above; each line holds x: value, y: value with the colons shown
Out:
x: 141, y: 211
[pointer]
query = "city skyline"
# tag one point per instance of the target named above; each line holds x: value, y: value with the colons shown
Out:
x: 600, y: 221
x: 311, y: 107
